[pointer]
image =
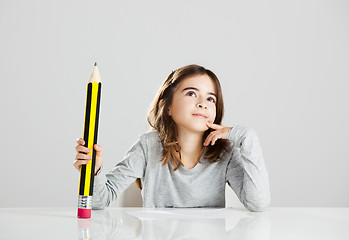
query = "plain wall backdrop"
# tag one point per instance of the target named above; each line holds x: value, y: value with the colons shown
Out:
x: 283, y: 67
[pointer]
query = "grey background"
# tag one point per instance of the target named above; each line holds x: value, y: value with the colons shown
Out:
x: 283, y: 67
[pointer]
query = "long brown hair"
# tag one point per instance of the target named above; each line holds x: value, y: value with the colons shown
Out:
x: 159, y: 119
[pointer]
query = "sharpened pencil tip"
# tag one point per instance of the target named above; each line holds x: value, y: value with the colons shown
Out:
x: 95, y: 63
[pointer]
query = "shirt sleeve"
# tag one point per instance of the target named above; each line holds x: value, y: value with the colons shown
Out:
x: 246, y: 171
x: 109, y: 187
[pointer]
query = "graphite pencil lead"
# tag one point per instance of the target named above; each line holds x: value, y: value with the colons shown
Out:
x: 95, y: 63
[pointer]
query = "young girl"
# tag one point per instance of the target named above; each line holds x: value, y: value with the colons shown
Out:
x: 187, y: 157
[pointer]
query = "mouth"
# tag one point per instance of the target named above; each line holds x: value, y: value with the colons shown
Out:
x: 199, y: 115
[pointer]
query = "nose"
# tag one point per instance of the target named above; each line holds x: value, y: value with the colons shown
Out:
x: 201, y: 105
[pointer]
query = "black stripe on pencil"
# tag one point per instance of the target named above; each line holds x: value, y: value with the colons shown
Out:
x: 95, y: 137
x: 86, y: 128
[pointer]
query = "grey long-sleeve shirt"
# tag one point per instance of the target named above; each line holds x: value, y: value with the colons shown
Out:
x: 202, y: 186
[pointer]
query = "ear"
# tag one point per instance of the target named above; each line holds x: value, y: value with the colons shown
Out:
x: 161, y: 102
x: 168, y: 110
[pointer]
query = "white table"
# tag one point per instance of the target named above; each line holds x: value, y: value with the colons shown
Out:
x: 143, y: 223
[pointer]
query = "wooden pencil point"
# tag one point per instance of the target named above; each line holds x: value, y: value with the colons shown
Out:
x: 95, y: 74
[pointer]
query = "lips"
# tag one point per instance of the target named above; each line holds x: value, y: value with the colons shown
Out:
x: 199, y: 115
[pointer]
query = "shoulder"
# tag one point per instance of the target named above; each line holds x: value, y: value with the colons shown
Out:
x: 146, y: 142
x: 150, y: 143
x: 150, y: 137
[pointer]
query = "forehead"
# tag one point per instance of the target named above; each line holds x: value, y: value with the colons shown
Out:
x: 202, y: 82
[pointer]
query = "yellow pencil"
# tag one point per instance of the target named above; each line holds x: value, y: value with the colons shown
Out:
x: 93, y: 97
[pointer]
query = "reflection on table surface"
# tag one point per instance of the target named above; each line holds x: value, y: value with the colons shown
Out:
x: 193, y: 223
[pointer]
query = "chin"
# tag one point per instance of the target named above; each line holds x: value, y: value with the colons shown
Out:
x: 194, y: 126
x: 202, y: 129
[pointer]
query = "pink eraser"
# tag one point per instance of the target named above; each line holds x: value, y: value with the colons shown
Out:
x: 84, y: 213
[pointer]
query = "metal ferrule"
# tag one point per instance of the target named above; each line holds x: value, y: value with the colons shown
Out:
x: 85, y: 202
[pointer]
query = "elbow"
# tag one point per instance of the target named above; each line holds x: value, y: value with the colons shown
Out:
x: 258, y: 205
x: 98, y: 204
x: 98, y: 207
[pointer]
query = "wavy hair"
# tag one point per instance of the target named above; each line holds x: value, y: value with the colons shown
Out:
x: 159, y: 119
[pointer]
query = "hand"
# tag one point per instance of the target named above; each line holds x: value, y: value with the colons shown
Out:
x: 83, y: 158
x: 219, y: 133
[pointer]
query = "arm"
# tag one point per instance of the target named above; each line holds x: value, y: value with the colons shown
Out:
x: 246, y: 171
x: 109, y: 187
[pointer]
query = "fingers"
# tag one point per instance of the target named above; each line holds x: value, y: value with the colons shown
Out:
x: 215, y: 135
x: 212, y: 137
x: 78, y: 163
x: 81, y: 146
x: 214, y: 126
x: 82, y: 149
x: 221, y: 133
x: 83, y: 157
x: 98, y: 148
x: 80, y: 141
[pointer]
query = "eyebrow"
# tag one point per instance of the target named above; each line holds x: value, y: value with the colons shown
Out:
x: 210, y: 93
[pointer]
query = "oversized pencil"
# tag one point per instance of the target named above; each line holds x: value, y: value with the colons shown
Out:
x: 93, y: 97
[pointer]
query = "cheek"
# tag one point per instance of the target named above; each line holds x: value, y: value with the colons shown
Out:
x: 213, y: 113
x: 179, y: 107
x: 184, y: 105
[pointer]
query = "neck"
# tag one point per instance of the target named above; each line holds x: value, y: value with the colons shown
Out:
x: 191, y: 142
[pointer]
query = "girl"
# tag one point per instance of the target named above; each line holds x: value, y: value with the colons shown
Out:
x: 187, y: 157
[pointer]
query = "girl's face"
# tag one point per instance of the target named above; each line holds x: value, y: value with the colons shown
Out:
x: 194, y: 103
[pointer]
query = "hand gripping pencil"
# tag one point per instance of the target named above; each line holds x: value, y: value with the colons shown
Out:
x: 90, y: 137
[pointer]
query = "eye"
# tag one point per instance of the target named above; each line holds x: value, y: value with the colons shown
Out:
x: 211, y: 99
x: 190, y: 93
